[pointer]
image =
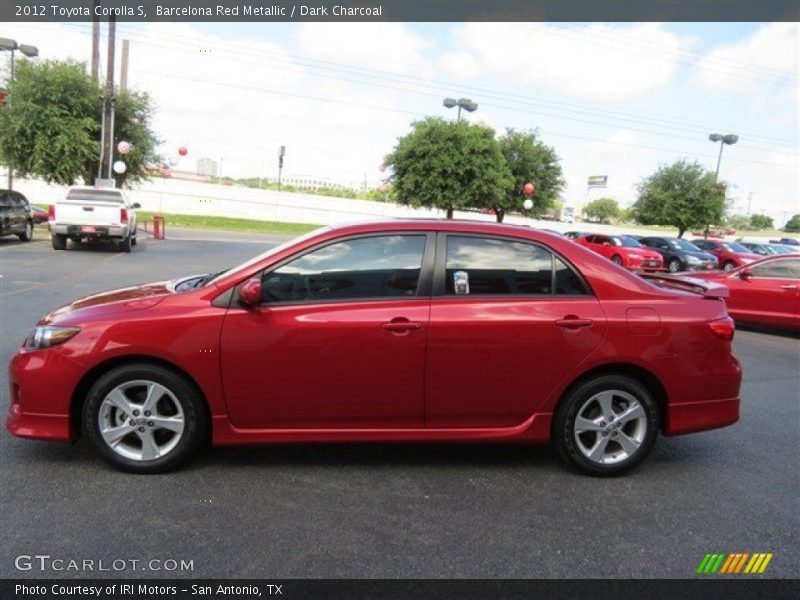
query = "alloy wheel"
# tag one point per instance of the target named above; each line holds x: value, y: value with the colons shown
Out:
x: 610, y: 427
x: 141, y: 420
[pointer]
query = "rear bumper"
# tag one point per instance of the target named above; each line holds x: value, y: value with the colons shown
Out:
x: 701, y: 416
x: 100, y: 231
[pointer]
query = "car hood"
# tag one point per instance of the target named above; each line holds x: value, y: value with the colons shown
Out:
x: 701, y: 255
x: 126, y: 299
x: 749, y: 256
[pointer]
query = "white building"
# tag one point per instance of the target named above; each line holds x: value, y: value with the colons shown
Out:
x: 207, y: 166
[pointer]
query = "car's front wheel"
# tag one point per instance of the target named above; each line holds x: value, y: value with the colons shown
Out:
x: 617, y: 260
x: 674, y: 265
x: 144, y: 418
x: 729, y: 266
x: 606, y: 425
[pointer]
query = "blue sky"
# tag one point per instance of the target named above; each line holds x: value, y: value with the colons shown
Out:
x: 613, y: 99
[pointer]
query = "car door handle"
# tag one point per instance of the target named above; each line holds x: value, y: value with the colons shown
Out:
x: 401, y: 326
x: 789, y: 287
x: 571, y: 322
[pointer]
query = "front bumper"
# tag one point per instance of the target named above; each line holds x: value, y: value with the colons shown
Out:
x: 99, y: 231
x: 41, y: 385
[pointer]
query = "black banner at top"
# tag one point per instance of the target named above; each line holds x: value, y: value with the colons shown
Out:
x: 400, y: 10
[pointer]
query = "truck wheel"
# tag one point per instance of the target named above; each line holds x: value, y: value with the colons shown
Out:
x: 59, y: 241
x: 126, y: 245
x: 27, y: 235
x: 134, y: 240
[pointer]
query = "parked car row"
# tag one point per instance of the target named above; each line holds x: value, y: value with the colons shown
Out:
x: 763, y: 279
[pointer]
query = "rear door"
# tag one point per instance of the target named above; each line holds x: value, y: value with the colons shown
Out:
x: 509, y: 319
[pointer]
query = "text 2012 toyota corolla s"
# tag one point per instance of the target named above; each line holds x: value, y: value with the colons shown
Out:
x: 394, y: 331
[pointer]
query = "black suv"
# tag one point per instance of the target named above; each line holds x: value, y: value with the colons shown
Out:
x: 16, y: 217
x: 680, y: 255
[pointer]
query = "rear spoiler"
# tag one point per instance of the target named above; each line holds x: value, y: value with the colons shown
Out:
x: 708, y: 289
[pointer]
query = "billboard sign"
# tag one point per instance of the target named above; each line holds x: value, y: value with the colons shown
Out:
x: 598, y: 180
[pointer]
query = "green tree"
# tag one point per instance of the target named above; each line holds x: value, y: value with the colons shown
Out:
x: 738, y: 221
x: 448, y: 165
x: 682, y: 195
x: 793, y: 224
x: 761, y: 222
x: 530, y: 161
x: 51, y: 129
x: 603, y: 209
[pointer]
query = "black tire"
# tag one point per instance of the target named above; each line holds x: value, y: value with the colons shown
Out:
x: 59, y: 241
x: 576, y: 398
x: 125, y: 245
x: 729, y: 266
x: 192, y: 405
x: 27, y: 235
x: 617, y: 260
x: 674, y: 265
x: 134, y: 239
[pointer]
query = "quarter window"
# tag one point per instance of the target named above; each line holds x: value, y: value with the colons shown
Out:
x: 371, y: 267
x: 478, y: 266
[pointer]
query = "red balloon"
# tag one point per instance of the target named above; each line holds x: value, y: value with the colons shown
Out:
x: 528, y: 189
x: 183, y: 151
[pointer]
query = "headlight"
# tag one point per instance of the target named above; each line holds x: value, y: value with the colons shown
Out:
x: 635, y: 256
x: 47, y: 337
x: 693, y: 260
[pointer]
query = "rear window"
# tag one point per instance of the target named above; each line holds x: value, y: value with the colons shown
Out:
x: 96, y: 195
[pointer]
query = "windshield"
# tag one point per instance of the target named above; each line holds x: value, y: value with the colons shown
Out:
x: 734, y: 247
x: 625, y: 241
x: 680, y: 244
x: 268, y: 253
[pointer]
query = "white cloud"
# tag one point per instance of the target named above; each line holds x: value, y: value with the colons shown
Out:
x: 461, y: 65
x: 382, y: 46
x: 596, y: 62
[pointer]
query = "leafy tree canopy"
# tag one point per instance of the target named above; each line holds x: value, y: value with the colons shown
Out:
x: 761, y: 222
x: 448, y: 165
x: 683, y: 195
x: 793, y: 224
x: 530, y: 161
x: 603, y: 209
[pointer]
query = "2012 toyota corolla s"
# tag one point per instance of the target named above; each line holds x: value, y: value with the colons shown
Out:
x: 394, y: 331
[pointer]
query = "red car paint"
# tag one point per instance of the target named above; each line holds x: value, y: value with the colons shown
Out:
x: 766, y: 292
x: 727, y: 253
x: 634, y: 256
x: 429, y: 367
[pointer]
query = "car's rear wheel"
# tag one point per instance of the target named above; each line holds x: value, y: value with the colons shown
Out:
x: 729, y: 266
x: 144, y: 418
x: 59, y: 241
x: 27, y: 234
x: 617, y: 260
x: 126, y: 245
x: 606, y: 425
x: 674, y: 265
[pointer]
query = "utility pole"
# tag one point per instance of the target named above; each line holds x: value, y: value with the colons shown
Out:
x: 95, y: 45
x: 123, y: 71
x: 107, y: 143
x: 281, y: 154
x: 749, y: 202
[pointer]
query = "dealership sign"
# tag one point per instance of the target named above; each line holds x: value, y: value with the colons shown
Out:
x: 598, y: 180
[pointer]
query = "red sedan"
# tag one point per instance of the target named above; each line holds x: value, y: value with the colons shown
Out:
x: 729, y: 254
x: 766, y: 292
x: 397, y: 331
x: 624, y: 251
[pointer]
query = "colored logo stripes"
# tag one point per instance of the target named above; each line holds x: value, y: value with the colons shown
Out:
x: 738, y: 562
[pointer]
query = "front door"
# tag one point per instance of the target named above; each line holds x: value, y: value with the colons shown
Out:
x: 509, y: 320
x: 338, y: 341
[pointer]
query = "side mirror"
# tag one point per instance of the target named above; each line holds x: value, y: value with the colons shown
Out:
x: 249, y: 292
x: 137, y: 205
x: 745, y: 274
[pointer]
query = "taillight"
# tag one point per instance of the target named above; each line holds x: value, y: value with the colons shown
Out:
x: 51, y: 212
x: 723, y: 328
x: 123, y: 215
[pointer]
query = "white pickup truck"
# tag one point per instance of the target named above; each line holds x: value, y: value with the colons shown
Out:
x: 93, y: 213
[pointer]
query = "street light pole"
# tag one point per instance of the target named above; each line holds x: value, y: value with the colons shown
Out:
x: 30, y: 52
x: 465, y: 103
x: 729, y: 139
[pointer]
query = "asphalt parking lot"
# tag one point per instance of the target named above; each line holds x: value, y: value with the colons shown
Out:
x: 426, y: 511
